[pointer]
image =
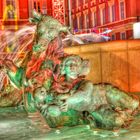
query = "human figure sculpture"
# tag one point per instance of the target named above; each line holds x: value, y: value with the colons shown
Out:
x: 56, y: 84
x: 104, y: 105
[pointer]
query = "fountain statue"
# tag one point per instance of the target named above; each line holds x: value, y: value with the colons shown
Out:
x: 53, y: 83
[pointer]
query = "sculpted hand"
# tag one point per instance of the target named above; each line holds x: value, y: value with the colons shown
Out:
x: 64, y: 103
x: 44, y: 109
x: 64, y: 107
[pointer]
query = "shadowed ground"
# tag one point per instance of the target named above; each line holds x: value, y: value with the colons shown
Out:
x: 15, y: 125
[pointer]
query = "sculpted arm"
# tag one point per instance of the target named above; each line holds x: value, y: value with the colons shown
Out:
x: 81, y: 98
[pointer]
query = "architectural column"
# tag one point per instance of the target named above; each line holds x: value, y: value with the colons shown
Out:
x: 70, y: 13
x: 102, y: 13
x: 86, y: 21
x: 93, y: 17
x: 111, y: 3
x: 78, y: 16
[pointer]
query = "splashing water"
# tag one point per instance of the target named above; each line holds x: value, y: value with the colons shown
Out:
x: 15, y: 44
x: 22, y: 38
x: 18, y: 41
x: 84, y: 38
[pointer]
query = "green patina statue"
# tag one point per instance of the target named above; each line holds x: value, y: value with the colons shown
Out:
x: 54, y: 83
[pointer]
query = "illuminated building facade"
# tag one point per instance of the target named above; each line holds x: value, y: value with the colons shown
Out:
x: 81, y: 15
x: 15, y: 13
x: 99, y: 15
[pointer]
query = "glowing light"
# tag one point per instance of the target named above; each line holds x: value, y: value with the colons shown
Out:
x: 9, y: 8
x: 136, y: 30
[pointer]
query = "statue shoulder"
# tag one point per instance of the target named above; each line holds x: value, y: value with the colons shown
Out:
x: 86, y: 84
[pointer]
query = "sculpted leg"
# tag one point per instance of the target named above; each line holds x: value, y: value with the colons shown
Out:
x: 120, y: 100
x: 107, y: 118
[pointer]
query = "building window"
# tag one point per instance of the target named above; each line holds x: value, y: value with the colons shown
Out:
x: 113, y: 12
x: 92, y: 19
x: 108, y: 14
x: 103, y: 16
x: 10, y: 9
x: 122, y: 10
x: 44, y: 7
x: 123, y: 35
x: 87, y: 18
x: 40, y: 7
x: 37, y: 6
x: 75, y: 24
x: 80, y: 22
x: 95, y: 18
x: 113, y: 37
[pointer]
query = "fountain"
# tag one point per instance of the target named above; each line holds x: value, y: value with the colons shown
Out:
x: 53, y: 82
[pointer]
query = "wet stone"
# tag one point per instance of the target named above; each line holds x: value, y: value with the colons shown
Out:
x: 16, y: 125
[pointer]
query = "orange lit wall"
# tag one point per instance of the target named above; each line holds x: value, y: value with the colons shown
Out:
x: 115, y: 62
x: 138, y: 9
x: 22, y: 12
x: 1, y: 9
x: 23, y: 9
x: 131, y: 10
x: 49, y: 7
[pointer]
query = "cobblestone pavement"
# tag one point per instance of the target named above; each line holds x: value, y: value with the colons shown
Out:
x: 16, y: 125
